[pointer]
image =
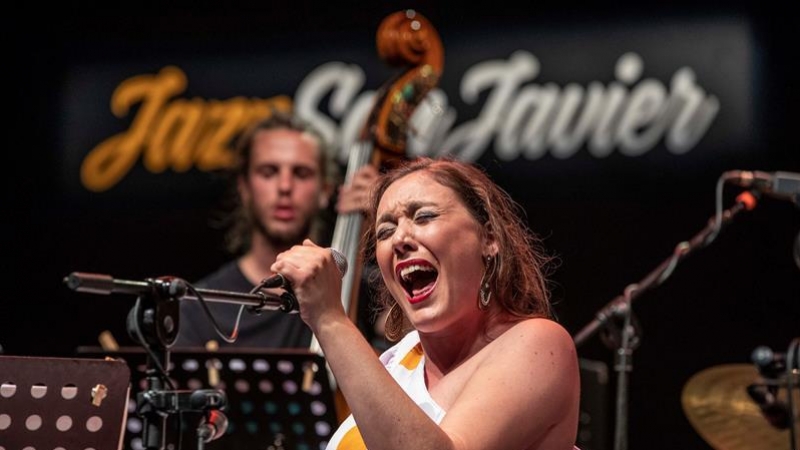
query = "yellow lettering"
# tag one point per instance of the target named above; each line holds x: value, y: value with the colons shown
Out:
x: 107, y: 163
x: 175, y: 137
x: 176, y: 134
x: 226, y: 120
x: 223, y: 121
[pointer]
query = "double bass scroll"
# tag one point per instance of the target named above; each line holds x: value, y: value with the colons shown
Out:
x: 403, y: 39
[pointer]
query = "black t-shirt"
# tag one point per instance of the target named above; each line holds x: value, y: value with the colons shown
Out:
x: 267, y: 329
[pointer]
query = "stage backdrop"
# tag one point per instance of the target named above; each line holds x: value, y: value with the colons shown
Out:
x: 611, y: 130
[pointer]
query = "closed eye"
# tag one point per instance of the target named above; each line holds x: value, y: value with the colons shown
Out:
x: 425, y: 216
x: 384, y: 232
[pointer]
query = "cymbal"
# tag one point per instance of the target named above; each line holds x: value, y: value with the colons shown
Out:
x: 716, y: 402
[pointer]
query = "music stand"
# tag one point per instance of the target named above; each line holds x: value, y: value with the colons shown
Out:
x: 268, y: 400
x: 62, y: 403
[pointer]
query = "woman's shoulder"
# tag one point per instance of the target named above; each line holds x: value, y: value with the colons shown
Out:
x: 542, y: 350
x: 538, y: 327
x: 536, y: 334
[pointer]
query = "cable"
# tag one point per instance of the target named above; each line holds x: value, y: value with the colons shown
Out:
x: 153, y: 357
x: 234, y: 334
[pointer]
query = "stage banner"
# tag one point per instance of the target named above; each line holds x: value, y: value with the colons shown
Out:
x: 675, y: 98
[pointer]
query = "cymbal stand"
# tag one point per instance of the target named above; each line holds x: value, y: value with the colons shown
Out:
x: 624, y: 340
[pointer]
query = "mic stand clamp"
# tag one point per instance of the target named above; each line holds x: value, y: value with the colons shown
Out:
x: 161, y: 403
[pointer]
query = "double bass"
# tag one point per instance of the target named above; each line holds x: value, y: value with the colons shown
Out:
x: 404, y: 39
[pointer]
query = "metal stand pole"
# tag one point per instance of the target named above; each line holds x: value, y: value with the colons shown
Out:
x: 621, y: 307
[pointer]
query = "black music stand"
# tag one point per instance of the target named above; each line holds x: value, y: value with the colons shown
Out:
x: 270, y: 402
x: 62, y: 403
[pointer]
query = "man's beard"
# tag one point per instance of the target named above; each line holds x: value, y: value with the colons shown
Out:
x: 282, y: 238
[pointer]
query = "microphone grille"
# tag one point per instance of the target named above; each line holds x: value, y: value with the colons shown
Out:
x: 340, y: 260
x: 762, y: 356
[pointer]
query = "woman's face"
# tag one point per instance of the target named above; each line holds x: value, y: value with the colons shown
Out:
x: 430, y: 252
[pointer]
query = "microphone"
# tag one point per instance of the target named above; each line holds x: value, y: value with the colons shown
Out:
x: 278, y: 281
x: 785, y: 185
x: 207, y: 399
x: 769, y: 363
x: 213, y: 426
x: 288, y: 300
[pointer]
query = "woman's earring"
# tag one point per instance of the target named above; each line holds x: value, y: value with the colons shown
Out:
x: 486, y: 290
x: 394, y: 323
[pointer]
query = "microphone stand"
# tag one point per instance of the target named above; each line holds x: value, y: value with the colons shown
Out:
x: 154, y: 322
x: 621, y: 308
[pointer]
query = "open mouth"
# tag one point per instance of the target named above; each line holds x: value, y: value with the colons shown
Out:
x: 418, y: 279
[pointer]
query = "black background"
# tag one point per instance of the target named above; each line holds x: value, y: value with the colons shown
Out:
x: 608, y: 231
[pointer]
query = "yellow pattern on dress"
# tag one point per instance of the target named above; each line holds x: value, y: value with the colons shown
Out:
x: 352, y: 440
x: 412, y: 358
